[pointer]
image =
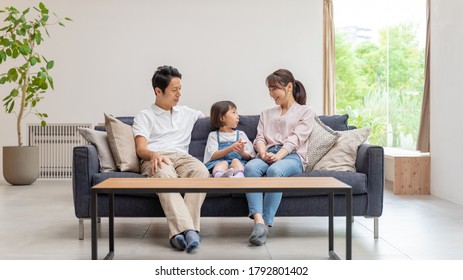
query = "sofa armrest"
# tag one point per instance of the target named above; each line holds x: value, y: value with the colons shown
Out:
x: 85, y: 164
x: 370, y: 161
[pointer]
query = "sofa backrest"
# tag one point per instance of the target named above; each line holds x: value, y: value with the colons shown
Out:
x: 247, y: 123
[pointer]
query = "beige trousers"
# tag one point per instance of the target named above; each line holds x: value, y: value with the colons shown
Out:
x: 182, y: 213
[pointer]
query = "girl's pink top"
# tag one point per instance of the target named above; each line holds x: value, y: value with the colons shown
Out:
x: 291, y: 130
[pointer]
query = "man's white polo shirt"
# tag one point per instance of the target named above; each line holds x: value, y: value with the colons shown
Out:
x: 166, y: 131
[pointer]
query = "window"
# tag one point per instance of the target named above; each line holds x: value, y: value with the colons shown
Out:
x: 380, y: 50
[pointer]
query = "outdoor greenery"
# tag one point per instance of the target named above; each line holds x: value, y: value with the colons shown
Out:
x: 28, y: 73
x: 380, y: 84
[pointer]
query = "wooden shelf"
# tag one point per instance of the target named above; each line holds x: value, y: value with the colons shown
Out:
x: 408, y: 170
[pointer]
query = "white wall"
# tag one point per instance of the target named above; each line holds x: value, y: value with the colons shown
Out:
x: 446, y: 99
x: 104, y: 60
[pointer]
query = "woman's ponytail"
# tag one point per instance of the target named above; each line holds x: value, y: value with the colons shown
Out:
x: 299, y: 92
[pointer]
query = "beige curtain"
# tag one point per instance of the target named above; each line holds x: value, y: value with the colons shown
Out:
x: 423, y: 142
x: 329, y: 97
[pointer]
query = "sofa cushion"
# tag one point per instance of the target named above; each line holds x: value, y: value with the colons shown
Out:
x: 343, y: 155
x: 320, y: 142
x: 100, y: 177
x: 122, y: 143
x: 358, y: 181
x: 336, y: 122
x: 100, y: 140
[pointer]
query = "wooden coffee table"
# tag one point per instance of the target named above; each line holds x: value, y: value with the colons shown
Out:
x: 327, y: 185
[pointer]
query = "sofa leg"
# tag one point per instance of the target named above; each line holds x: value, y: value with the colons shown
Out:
x: 81, y: 229
x: 376, y: 227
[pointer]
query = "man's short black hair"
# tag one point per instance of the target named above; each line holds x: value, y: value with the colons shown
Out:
x: 163, y: 75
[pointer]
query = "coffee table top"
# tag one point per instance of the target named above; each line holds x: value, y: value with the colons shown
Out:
x: 236, y: 185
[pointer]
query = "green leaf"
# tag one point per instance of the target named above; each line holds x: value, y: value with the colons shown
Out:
x: 14, y: 92
x: 29, y: 96
x: 11, y: 107
x: 43, y: 123
x: 2, y: 56
x: 15, y: 53
x: 45, y: 115
x: 6, y: 42
x: 33, y: 61
x: 50, y: 81
x: 7, y: 98
x: 50, y: 64
x: 38, y: 37
x: 44, y: 19
x: 13, y: 74
x: 21, y: 32
x: 68, y: 19
x: 25, y: 50
x: 43, y: 9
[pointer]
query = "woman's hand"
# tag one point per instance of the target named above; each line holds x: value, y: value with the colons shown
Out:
x: 269, y: 157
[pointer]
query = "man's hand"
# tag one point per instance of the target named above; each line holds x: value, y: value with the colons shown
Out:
x: 156, y: 162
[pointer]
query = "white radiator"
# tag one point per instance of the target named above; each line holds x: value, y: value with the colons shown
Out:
x: 55, y: 142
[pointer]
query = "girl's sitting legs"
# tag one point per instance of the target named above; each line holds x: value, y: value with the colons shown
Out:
x: 238, y: 168
x: 221, y: 170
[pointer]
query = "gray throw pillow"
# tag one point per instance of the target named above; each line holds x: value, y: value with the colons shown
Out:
x: 100, y: 140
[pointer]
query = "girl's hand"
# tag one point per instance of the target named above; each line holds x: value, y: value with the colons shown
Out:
x: 238, y: 146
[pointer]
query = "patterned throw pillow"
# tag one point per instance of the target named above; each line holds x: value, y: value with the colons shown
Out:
x: 122, y: 143
x: 320, y: 142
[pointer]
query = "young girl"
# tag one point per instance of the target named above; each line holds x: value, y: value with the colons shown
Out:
x: 227, y: 150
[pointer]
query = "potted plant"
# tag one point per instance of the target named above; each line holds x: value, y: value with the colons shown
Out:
x: 24, y: 83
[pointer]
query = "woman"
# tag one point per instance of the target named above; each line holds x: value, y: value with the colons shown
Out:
x: 281, y: 145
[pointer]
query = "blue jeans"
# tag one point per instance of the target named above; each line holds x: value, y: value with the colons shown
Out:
x: 267, y: 203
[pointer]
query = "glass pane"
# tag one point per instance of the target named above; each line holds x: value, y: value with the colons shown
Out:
x: 380, y: 48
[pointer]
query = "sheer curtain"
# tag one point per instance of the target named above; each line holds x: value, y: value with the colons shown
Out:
x: 329, y: 97
x: 423, y: 141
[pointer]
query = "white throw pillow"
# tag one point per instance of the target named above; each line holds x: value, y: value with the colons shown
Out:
x: 122, y: 144
x: 343, y: 155
x: 320, y: 142
x: 100, y: 140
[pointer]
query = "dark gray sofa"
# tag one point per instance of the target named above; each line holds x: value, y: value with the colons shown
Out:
x: 367, y: 183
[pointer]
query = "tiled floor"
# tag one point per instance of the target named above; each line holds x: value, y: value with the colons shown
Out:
x: 38, y: 222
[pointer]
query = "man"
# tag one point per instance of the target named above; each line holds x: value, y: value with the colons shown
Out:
x: 162, y: 136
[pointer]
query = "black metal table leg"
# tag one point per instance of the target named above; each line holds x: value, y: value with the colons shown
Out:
x: 331, y: 251
x: 110, y: 254
x: 349, y: 224
x: 94, y: 224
